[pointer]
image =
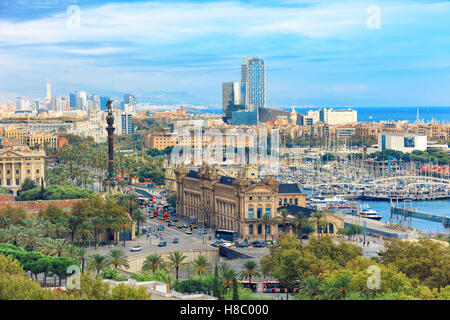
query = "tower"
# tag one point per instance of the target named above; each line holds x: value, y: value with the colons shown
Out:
x: 48, y: 89
x: 110, y: 183
x: 293, y: 117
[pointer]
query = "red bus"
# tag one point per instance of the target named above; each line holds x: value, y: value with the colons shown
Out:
x: 155, y: 213
x: 165, y: 215
x: 271, y: 286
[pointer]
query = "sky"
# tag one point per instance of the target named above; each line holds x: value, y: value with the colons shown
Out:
x: 317, y: 53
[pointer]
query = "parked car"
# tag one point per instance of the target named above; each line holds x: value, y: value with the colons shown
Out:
x: 162, y: 244
x: 136, y: 248
x: 259, y: 244
x: 175, y: 240
x: 179, y: 226
x: 242, y: 245
x: 189, y: 232
x: 184, y: 225
x: 171, y: 224
x: 269, y: 242
x: 216, y: 243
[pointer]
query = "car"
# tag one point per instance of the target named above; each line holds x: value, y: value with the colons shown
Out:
x: 171, y: 224
x: 242, y: 245
x: 184, y: 225
x: 269, y: 242
x: 136, y: 248
x: 216, y: 243
x: 162, y: 244
x: 259, y: 244
x: 194, y: 226
x: 189, y: 232
x: 175, y: 220
x: 179, y: 226
x: 175, y: 240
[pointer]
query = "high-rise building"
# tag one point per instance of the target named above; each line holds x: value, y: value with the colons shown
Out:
x: 233, y: 99
x: 253, y: 75
x: 127, y: 123
x: 48, y: 96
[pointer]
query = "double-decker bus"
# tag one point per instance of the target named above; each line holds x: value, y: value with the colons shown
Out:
x: 165, y: 215
x: 155, y: 213
x: 227, y: 235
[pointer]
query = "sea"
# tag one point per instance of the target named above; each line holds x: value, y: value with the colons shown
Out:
x: 375, y: 114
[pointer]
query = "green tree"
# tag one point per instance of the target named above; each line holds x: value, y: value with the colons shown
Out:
x: 152, y: 262
x: 118, y: 258
x: 176, y: 262
x: 250, y: 271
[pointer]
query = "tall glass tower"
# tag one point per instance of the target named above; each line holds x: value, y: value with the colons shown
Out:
x: 253, y: 74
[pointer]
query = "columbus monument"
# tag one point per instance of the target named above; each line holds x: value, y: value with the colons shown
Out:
x: 110, y: 183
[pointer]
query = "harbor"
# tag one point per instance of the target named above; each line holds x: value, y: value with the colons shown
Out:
x: 350, y: 186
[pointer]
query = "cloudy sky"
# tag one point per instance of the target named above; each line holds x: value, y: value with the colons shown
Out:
x: 322, y: 53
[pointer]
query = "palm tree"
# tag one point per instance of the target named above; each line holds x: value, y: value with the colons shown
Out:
x: 118, y: 258
x: 124, y: 225
x: 310, y: 287
x: 97, y: 262
x: 201, y: 265
x: 250, y: 270
x: 81, y: 256
x: 29, y: 238
x: 73, y: 224
x: 152, y: 262
x: 283, y: 219
x: 176, y: 261
x: 84, y: 231
x: 61, y: 227
x: 13, y: 235
x: 98, y: 225
x: 54, y: 247
x: 318, y: 217
x: 228, y: 275
x: 265, y: 221
x: 299, y: 221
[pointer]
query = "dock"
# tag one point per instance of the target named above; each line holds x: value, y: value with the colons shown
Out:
x: 387, y: 230
x: 404, y: 214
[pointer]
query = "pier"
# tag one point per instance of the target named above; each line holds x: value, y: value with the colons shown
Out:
x: 403, y: 215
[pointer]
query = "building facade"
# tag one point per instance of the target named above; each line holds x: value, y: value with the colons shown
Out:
x: 236, y: 204
x: 18, y: 163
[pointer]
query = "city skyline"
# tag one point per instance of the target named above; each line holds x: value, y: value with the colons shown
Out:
x: 315, y: 53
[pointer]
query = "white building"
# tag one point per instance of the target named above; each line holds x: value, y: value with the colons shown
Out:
x: 339, y: 116
x: 404, y: 142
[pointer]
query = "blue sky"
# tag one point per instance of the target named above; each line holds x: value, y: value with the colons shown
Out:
x: 319, y: 53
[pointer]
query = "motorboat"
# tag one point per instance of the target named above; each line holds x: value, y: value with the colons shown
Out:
x: 370, y: 214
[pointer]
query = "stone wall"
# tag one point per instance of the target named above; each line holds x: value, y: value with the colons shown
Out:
x: 212, y: 255
x: 33, y: 207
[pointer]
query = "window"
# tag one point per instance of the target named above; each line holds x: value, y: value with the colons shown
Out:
x: 259, y: 229
x: 17, y: 182
x: 8, y: 171
x: 37, y: 170
x: 279, y: 201
x: 259, y: 198
x: 290, y: 200
x: 28, y: 170
x: 250, y: 213
x: 268, y: 229
x: 296, y: 201
x: 268, y: 197
x: 250, y: 229
x: 250, y: 198
x: 285, y: 201
x: 17, y: 171
x: 8, y: 182
x: 259, y: 213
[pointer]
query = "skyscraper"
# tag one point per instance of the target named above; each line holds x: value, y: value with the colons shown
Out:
x: 233, y: 99
x: 253, y: 74
x: 48, y: 88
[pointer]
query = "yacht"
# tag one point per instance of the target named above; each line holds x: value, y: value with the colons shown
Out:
x: 369, y: 213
